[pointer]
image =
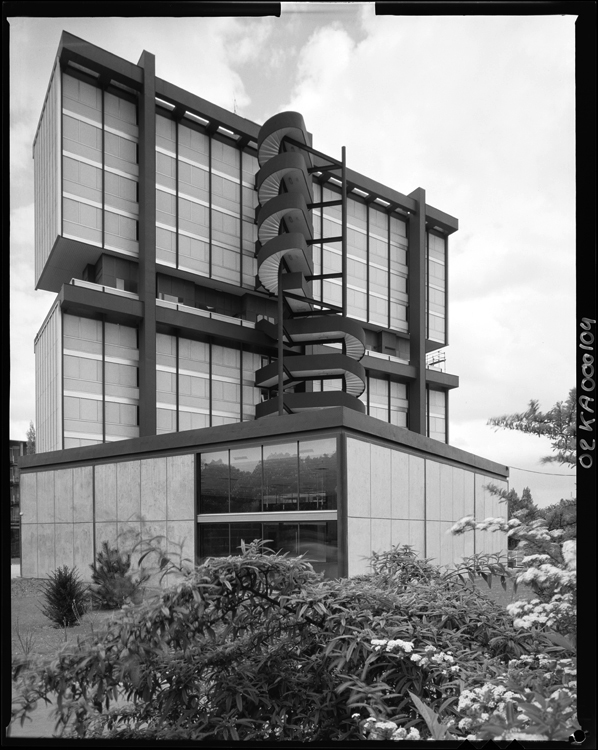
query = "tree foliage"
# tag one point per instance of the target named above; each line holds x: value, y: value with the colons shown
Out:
x: 557, y: 424
x: 31, y: 439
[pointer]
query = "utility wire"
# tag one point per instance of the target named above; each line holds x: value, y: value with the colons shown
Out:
x: 547, y: 473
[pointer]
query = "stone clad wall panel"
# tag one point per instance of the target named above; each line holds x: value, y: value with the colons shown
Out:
x: 63, y: 492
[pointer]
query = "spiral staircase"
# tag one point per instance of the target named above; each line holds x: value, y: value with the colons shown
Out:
x: 285, y: 269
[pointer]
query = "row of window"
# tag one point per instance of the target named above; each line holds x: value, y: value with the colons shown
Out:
x: 376, y: 260
x: 436, y: 288
x: 100, y: 202
x: 317, y: 540
x: 295, y: 476
x: 200, y: 384
x: 206, y: 203
x: 100, y: 381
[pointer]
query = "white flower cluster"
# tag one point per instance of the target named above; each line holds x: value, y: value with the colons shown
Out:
x: 493, y: 524
x: 482, y: 701
x: 535, y: 613
x: 488, y: 702
x: 488, y: 524
x: 564, y: 670
x: 548, y: 574
x: 374, y: 729
x: 432, y: 657
x: 468, y: 522
x: 383, y: 644
x: 535, y: 559
x: 570, y: 554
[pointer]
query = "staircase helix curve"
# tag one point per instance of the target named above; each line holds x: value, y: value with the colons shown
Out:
x: 285, y: 267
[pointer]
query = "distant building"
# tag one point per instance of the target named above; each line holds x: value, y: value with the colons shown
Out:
x: 18, y: 448
x: 238, y: 344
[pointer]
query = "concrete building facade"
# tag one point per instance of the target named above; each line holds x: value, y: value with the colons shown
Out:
x: 238, y: 344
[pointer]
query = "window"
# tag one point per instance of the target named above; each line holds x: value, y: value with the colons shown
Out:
x: 297, y: 476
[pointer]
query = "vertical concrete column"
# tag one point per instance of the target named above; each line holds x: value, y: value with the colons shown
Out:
x: 147, y: 246
x: 417, y: 312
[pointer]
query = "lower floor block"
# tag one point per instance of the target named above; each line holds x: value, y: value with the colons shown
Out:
x: 334, y: 486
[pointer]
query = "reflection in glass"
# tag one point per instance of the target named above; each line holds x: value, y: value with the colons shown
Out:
x: 280, y: 477
x: 284, y: 537
x: 318, y: 541
x: 214, y: 490
x: 317, y: 474
x: 214, y: 540
x: 246, y: 480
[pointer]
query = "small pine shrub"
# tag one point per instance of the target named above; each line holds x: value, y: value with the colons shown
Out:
x: 65, y: 597
x: 112, y: 579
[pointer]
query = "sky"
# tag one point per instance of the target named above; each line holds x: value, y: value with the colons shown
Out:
x: 477, y: 110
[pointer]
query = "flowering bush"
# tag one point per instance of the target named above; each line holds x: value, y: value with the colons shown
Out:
x: 258, y: 647
x: 534, y: 698
x: 549, y: 568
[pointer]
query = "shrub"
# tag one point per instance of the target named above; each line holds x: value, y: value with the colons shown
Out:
x: 113, y: 581
x: 259, y: 647
x: 65, y: 597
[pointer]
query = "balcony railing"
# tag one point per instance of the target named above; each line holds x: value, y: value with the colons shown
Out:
x: 104, y: 288
x: 387, y: 357
x: 436, y: 361
x: 205, y: 313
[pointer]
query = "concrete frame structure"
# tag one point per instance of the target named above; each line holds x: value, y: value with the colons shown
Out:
x: 211, y: 274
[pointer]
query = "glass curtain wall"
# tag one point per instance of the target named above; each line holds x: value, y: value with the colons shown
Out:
x: 376, y: 260
x: 200, y: 384
x: 100, y: 378
x: 99, y: 165
x: 295, y: 476
x: 205, y: 200
x: 436, y: 415
x: 436, y: 288
x: 318, y: 540
x: 383, y: 398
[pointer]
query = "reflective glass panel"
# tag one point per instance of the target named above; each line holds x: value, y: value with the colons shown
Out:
x: 318, y: 542
x: 280, y: 477
x: 214, y: 490
x: 246, y: 480
x: 317, y: 474
x: 213, y: 540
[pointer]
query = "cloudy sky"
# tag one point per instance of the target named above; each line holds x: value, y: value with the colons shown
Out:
x: 479, y: 111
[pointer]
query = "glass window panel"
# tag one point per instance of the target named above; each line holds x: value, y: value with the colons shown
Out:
x: 284, y: 537
x: 398, y: 230
x: 192, y: 420
x: 246, y: 480
x: 194, y: 255
x: 280, y: 477
x: 214, y: 540
x: 214, y: 490
x: 318, y: 541
x: 193, y: 144
x: 317, y: 474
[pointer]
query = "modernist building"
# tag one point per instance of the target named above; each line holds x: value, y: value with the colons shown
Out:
x: 17, y: 448
x: 238, y: 344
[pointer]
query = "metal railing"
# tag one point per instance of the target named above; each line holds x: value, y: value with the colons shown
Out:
x: 104, y: 288
x: 205, y: 313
